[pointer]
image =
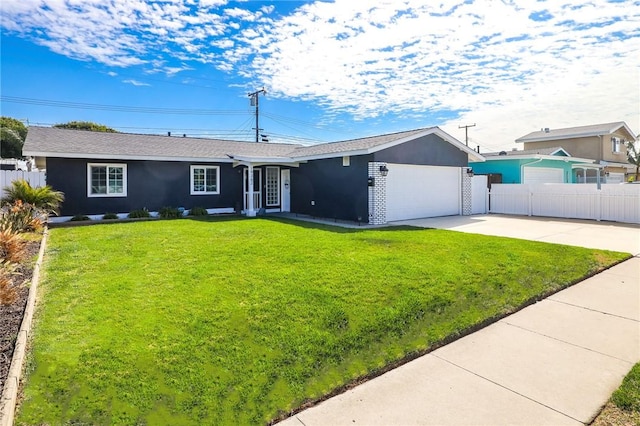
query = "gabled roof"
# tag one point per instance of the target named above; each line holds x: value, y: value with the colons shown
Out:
x: 577, y: 132
x: 65, y: 143
x: 558, y: 151
x: 54, y: 142
x: 373, y: 144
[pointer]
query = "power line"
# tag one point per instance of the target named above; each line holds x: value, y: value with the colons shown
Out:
x: 119, y: 108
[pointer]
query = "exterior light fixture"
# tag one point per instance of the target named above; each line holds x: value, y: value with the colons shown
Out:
x: 469, y: 171
x: 384, y: 171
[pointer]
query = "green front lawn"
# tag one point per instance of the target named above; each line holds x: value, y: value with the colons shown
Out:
x: 236, y: 321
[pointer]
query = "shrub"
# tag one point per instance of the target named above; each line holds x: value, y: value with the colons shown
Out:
x: 43, y: 198
x: 19, y: 217
x: 79, y: 218
x: 170, y: 213
x: 198, y: 211
x: 8, y: 292
x: 12, y: 247
x: 134, y: 214
x: 109, y: 216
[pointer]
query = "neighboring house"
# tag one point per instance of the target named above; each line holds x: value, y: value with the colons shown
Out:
x: 604, y: 143
x: 404, y: 175
x: 544, y: 165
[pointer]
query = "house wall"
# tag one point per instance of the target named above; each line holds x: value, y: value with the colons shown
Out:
x: 589, y: 147
x: 150, y: 184
x: 511, y: 169
x: 337, y: 191
x: 428, y: 150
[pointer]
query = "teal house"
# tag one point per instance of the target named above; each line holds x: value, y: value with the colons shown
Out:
x: 545, y: 165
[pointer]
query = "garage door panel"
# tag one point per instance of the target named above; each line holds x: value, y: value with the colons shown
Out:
x: 543, y: 175
x: 422, y: 191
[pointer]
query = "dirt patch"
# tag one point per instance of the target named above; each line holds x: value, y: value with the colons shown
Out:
x: 11, y: 315
x: 614, y: 416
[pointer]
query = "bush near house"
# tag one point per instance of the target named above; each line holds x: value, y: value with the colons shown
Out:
x: 43, y: 198
x: 198, y: 211
x: 140, y: 213
x: 170, y: 213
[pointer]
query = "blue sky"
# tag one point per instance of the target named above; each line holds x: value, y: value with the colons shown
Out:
x: 332, y: 70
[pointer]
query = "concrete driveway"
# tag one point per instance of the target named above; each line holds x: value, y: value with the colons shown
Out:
x: 583, y: 233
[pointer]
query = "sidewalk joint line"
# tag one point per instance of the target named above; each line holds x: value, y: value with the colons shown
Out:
x: 568, y: 343
x: 550, y: 298
x: 298, y: 419
x: 506, y: 388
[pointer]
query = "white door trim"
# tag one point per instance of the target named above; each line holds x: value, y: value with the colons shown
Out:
x: 285, y: 192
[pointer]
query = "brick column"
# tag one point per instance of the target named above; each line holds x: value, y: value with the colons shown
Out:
x: 377, y: 195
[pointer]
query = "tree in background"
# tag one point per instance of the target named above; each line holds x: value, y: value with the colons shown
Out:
x: 12, y: 135
x: 85, y: 125
x: 633, y: 155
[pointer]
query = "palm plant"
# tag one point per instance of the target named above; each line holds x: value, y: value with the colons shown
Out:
x: 633, y: 155
x: 43, y: 198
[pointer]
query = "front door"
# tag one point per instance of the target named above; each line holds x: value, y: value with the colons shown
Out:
x: 257, y: 189
x: 285, y: 181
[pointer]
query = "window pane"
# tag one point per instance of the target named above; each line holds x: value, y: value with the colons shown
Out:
x: 273, y: 186
x: 98, y: 179
x: 212, y: 180
x: 198, y: 180
x: 116, y: 180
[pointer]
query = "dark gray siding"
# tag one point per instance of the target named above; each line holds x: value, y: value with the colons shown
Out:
x: 338, y: 192
x: 427, y: 150
x: 150, y: 184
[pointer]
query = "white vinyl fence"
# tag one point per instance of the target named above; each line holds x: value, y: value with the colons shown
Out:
x: 35, y: 179
x: 479, y: 195
x: 613, y: 202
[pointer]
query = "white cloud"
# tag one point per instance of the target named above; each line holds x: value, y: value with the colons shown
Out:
x: 511, y: 67
x: 135, y: 82
x: 487, y: 61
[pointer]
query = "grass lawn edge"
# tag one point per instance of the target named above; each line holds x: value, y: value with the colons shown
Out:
x: 13, y: 383
x: 447, y: 340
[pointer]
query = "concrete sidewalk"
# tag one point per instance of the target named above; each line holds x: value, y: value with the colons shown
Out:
x: 554, y: 363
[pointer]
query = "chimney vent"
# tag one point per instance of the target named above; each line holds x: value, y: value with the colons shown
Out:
x: 546, y: 130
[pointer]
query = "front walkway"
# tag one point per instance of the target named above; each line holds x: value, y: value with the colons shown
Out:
x: 554, y: 363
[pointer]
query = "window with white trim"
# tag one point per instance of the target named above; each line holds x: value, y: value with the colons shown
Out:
x: 205, y: 180
x: 616, y: 144
x: 106, y: 180
x: 273, y: 186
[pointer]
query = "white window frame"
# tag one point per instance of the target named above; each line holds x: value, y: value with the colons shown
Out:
x: 123, y: 166
x: 277, y: 185
x: 206, y: 167
x: 616, y: 145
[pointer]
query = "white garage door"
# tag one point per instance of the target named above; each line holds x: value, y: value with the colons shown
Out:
x: 422, y: 191
x: 543, y: 175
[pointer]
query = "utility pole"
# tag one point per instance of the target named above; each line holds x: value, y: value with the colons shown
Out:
x: 255, y: 101
x: 466, y: 132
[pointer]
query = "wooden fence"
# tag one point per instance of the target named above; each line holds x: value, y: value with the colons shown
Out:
x: 613, y: 202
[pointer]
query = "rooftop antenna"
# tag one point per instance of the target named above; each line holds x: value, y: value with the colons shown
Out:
x: 255, y: 102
